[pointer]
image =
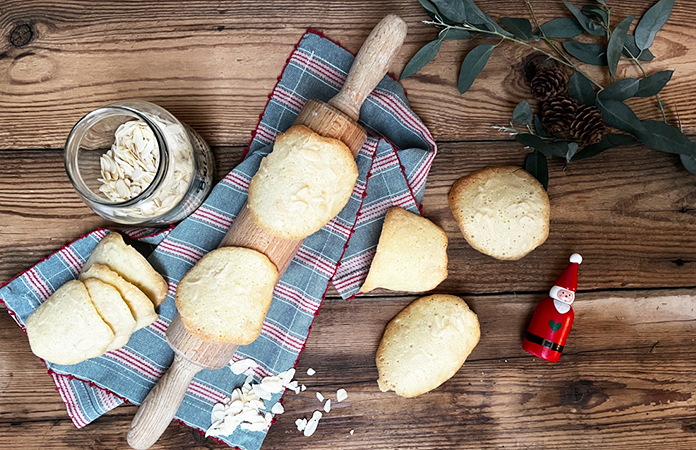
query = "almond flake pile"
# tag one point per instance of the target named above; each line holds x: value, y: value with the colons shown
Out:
x: 246, y: 407
x: 129, y: 167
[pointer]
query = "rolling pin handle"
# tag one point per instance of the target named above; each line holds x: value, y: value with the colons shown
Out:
x: 161, y: 404
x: 370, y: 65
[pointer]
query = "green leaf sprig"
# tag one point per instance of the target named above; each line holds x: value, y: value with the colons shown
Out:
x: 462, y: 19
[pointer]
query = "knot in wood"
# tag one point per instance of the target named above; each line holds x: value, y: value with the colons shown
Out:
x: 579, y: 392
x: 21, y: 35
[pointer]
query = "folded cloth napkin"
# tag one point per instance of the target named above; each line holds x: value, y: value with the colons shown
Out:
x: 393, y: 166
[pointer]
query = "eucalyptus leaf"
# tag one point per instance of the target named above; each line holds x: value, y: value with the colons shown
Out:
x: 455, y: 34
x: 597, y: 12
x: 477, y: 16
x: 602, y: 2
x: 689, y: 163
x: 585, y: 22
x: 653, y: 84
x: 473, y: 12
x: 618, y: 115
x: 571, y: 151
x: 536, y: 34
x: 608, y: 141
x: 631, y: 49
x: 539, y: 127
x: 428, y: 6
x: 594, y: 54
x: 561, y: 28
x: 652, y: 22
x: 580, y: 88
x: 534, y: 141
x: 522, y: 113
x: 473, y: 64
x: 621, y: 90
x: 453, y: 10
x: 520, y: 27
x: 559, y: 148
x: 616, y: 44
x: 666, y: 138
x: 535, y: 163
x: 421, y: 58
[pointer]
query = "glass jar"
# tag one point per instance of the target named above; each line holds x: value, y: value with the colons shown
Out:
x: 134, y: 163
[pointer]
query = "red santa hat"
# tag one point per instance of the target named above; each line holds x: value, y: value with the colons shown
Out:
x: 568, y: 280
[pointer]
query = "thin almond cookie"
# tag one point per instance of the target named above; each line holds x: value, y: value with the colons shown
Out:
x: 113, y: 310
x: 141, y: 308
x: 113, y: 252
x: 502, y: 211
x: 302, y: 184
x: 224, y: 298
x: 426, y: 344
x: 411, y: 254
x: 66, y: 328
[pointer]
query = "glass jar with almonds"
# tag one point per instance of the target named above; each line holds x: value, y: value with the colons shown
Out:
x: 134, y: 163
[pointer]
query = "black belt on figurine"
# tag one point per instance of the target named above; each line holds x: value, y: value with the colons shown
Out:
x: 544, y: 342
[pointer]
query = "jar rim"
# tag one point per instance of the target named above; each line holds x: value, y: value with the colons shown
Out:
x: 72, y: 147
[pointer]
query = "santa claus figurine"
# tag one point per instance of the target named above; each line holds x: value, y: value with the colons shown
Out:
x: 553, y: 317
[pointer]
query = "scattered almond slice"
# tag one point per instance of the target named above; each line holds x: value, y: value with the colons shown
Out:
x: 312, y: 424
x: 272, y: 384
x: 301, y: 424
x: 277, y: 409
x: 303, y: 388
x: 261, y: 392
x: 311, y: 371
x: 327, y: 405
x: 351, y: 432
x: 287, y: 377
x: 341, y: 395
x: 320, y: 397
x: 243, y: 365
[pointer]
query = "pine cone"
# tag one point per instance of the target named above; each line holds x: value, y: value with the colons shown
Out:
x: 587, y: 125
x: 558, y: 113
x: 549, y: 83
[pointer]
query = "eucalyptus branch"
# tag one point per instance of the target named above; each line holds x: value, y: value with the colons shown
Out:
x: 657, y: 96
x: 470, y: 27
x: 511, y: 130
x: 552, y: 44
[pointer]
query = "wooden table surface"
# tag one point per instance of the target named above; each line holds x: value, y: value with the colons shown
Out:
x: 626, y: 379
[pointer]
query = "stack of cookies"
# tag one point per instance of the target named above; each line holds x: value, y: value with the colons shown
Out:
x: 116, y: 294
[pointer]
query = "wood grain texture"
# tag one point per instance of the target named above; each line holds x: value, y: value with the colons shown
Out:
x: 625, y: 380
x: 629, y: 212
x: 213, y: 64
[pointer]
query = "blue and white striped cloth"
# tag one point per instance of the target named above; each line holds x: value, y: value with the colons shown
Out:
x: 393, y: 166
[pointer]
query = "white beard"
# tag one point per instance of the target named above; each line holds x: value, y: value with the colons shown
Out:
x: 561, y: 307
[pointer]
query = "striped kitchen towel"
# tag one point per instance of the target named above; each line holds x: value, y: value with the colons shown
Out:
x: 393, y: 166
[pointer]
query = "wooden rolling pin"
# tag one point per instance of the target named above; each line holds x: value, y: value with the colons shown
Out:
x: 337, y: 120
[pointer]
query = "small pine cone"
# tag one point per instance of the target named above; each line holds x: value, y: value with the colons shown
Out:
x: 588, y: 125
x: 558, y: 113
x: 549, y: 83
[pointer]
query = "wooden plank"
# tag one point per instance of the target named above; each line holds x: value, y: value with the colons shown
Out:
x: 613, y: 388
x: 629, y: 212
x: 213, y: 65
